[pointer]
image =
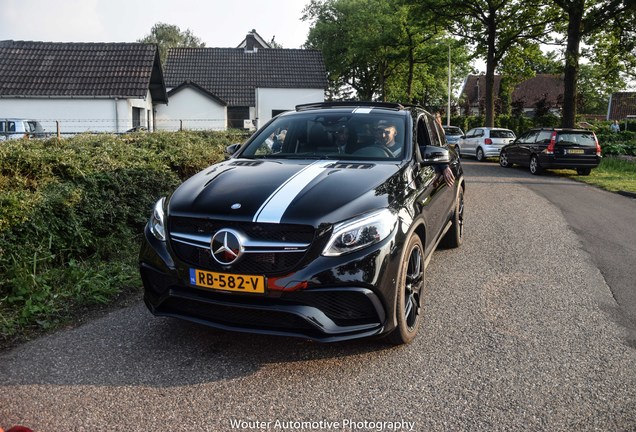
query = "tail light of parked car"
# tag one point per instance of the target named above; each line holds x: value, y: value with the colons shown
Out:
x: 598, y: 146
x: 487, y: 141
x: 550, y: 149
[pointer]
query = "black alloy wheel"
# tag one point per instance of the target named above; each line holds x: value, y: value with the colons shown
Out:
x: 503, y: 160
x: 535, y: 168
x: 410, y: 293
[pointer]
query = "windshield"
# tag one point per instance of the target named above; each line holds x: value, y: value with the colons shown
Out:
x: 583, y: 139
x: 363, y: 135
x: 501, y: 133
x: 452, y: 130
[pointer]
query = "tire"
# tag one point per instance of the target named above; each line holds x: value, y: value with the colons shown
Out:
x: 408, y: 308
x: 455, y: 235
x: 583, y: 171
x: 480, y: 155
x: 535, y: 168
x: 503, y: 160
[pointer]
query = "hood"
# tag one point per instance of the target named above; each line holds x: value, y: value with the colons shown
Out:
x: 284, y: 191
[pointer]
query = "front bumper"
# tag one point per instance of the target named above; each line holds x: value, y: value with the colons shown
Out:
x: 331, y: 299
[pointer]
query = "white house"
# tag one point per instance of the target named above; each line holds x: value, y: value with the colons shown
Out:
x: 81, y: 87
x: 238, y: 87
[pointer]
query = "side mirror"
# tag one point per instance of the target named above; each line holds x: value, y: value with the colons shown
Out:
x: 231, y: 149
x: 433, y: 155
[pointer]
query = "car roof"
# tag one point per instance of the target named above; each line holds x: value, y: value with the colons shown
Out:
x: 561, y: 129
x: 351, y: 106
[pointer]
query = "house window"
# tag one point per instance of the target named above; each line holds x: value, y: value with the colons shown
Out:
x: 136, y: 117
x: 236, y: 115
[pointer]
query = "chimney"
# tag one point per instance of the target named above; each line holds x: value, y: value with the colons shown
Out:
x: 250, y: 42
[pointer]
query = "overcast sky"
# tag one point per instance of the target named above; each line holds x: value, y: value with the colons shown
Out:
x: 218, y: 23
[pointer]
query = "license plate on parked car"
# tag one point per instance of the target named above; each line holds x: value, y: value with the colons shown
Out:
x: 574, y: 151
x: 227, y: 282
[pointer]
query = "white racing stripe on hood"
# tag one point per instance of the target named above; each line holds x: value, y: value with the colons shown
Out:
x: 273, y: 208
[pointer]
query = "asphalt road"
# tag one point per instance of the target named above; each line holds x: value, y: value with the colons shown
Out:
x: 522, y: 332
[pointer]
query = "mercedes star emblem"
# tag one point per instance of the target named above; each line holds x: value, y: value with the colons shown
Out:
x: 226, y: 247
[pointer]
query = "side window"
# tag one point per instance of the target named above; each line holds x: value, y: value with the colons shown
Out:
x: 532, y: 137
x: 1, y: 126
x: 422, y: 132
x: 479, y: 132
x: 470, y: 133
x: 441, y: 134
x: 544, y: 136
x: 433, y: 131
x: 11, y: 126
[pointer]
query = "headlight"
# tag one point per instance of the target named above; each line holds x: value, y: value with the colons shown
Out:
x: 360, y: 232
x: 157, y: 221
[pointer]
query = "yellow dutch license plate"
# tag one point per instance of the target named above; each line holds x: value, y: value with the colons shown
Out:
x: 574, y: 151
x: 227, y: 282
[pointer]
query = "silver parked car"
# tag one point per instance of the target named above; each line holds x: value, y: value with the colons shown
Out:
x: 14, y: 128
x: 484, y: 142
x: 453, y: 134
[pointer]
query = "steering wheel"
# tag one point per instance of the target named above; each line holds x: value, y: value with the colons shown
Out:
x: 374, y: 151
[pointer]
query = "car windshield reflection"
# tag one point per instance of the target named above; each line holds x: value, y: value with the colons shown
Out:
x: 336, y: 136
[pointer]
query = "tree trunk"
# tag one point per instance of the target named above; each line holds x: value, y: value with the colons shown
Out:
x: 571, y: 67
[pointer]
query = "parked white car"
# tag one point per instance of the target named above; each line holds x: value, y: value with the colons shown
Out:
x: 14, y: 128
x: 484, y: 142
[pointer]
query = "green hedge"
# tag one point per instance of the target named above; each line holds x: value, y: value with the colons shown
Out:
x: 72, y: 213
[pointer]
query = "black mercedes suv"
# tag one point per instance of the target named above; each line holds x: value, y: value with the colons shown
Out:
x: 319, y: 226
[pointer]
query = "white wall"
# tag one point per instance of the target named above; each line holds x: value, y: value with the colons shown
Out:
x: 192, y: 110
x: 269, y: 99
x: 78, y: 115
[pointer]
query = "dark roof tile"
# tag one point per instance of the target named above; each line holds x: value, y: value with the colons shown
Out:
x: 55, y: 69
x: 232, y: 74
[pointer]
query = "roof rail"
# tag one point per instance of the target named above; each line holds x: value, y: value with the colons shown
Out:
x: 349, y: 104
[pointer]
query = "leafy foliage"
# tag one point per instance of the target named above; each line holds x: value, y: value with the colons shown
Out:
x: 387, y: 50
x: 168, y: 36
x: 72, y: 213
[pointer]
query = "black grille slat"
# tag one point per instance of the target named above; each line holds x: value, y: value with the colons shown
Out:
x: 250, y: 263
x: 255, y: 231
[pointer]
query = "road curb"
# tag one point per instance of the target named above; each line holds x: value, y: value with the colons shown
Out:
x: 627, y: 194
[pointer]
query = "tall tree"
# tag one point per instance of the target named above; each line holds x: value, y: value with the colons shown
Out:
x: 493, y: 27
x: 381, y: 49
x: 584, y: 19
x: 168, y: 36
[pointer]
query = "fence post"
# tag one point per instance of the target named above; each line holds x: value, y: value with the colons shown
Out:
x: 57, y: 126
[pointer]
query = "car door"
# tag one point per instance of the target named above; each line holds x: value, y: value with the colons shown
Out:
x: 465, y: 142
x: 434, y: 196
x: 526, y: 148
x: 474, y: 141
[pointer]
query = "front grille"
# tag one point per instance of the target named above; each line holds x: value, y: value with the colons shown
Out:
x: 253, y: 263
x: 256, y: 231
x: 274, y: 260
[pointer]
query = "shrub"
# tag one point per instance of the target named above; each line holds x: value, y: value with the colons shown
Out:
x: 72, y: 213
